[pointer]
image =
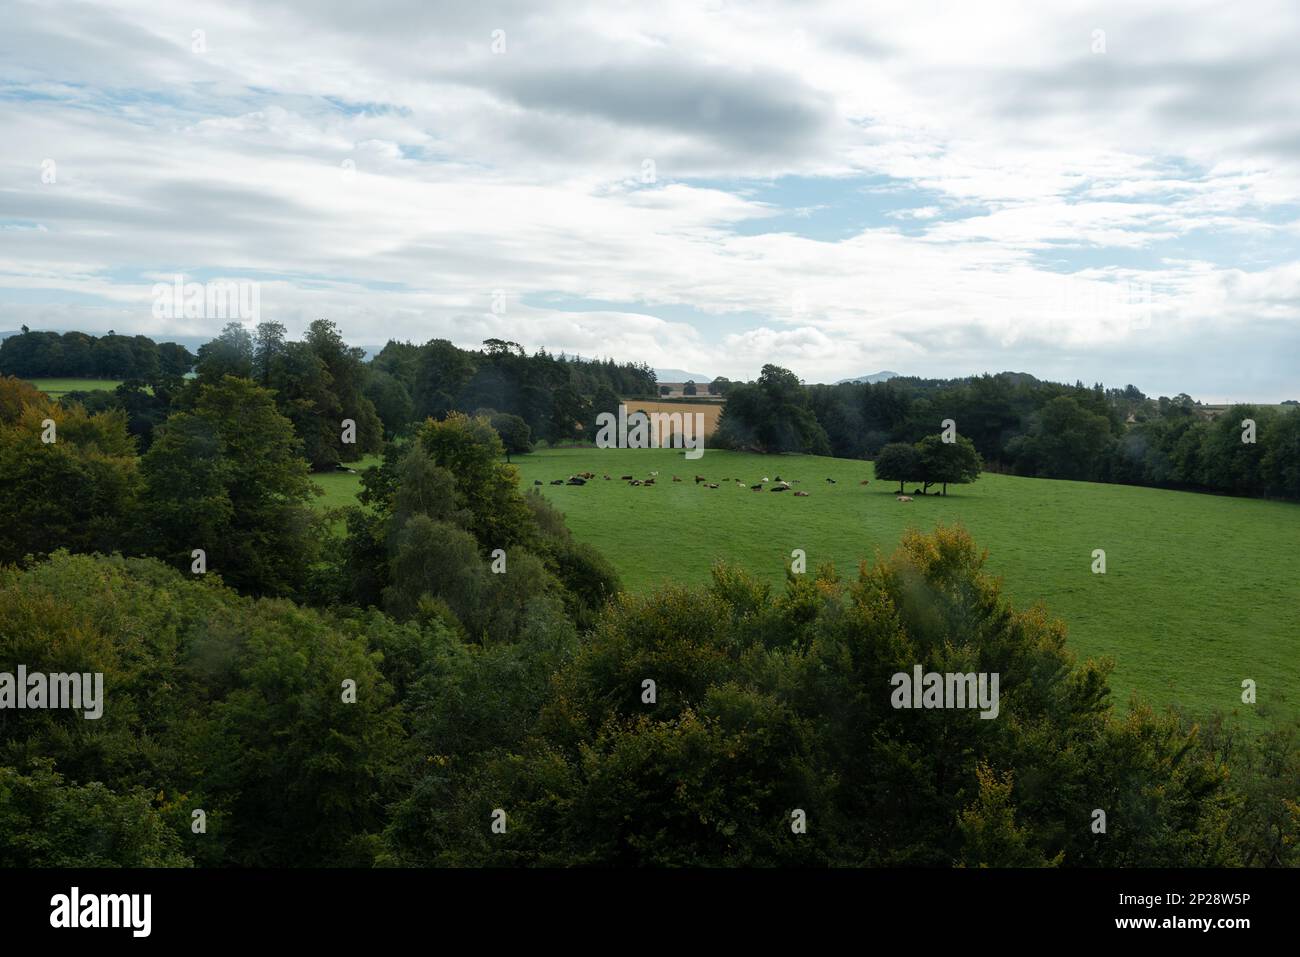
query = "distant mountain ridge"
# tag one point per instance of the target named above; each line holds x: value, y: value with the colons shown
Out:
x: 678, y: 375
x: 874, y: 377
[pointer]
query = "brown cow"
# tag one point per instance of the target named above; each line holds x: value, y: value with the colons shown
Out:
x: 800, y: 494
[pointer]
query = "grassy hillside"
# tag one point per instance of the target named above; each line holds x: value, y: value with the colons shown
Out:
x: 1200, y: 591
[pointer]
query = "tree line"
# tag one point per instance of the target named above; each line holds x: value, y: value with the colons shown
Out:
x: 555, y: 397
x: 320, y: 380
x: 76, y: 354
x: 1024, y: 426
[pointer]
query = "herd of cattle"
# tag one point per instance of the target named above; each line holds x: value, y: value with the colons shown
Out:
x: 777, y: 484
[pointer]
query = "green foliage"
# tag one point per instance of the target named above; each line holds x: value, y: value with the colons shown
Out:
x: 470, y: 450
x: 45, y: 822
x: 1065, y: 440
x: 229, y: 478
x: 212, y: 701
x: 436, y: 559
x: 898, y: 462
x: 77, y: 491
x: 944, y: 463
x: 514, y: 432
x: 771, y: 415
x: 767, y: 702
x: 78, y: 355
x: 990, y: 835
x: 343, y: 365
x: 230, y: 354
x: 392, y: 401
x: 746, y: 728
x: 318, y: 384
x: 588, y: 577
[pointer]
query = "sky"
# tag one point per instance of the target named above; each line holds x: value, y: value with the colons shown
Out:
x: 1102, y: 192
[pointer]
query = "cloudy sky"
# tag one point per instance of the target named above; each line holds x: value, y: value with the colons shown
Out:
x: 1100, y: 192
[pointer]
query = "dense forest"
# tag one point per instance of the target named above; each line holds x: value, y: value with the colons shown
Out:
x: 442, y: 675
x: 1028, y: 427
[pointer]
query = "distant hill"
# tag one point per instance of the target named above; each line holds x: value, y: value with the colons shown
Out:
x: 874, y: 377
x: 677, y: 375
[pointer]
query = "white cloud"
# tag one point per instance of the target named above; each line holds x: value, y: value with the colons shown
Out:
x: 386, y: 168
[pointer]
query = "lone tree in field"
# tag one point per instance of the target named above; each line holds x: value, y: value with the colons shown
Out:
x: 943, y: 462
x: 898, y: 462
x: 689, y: 389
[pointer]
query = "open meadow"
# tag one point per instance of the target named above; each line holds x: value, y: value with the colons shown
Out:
x: 1200, y: 591
x: 55, y: 388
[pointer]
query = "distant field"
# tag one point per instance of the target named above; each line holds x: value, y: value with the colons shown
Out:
x: 55, y: 388
x: 1200, y: 591
x: 341, y: 487
x: 712, y: 411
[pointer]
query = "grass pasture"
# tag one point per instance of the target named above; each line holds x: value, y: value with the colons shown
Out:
x: 341, y: 488
x: 57, y: 388
x: 1200, y: 591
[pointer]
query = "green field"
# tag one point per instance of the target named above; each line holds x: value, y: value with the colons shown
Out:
x: 1200, y: 591
x: 55, y: 388
x: 341, y: 487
